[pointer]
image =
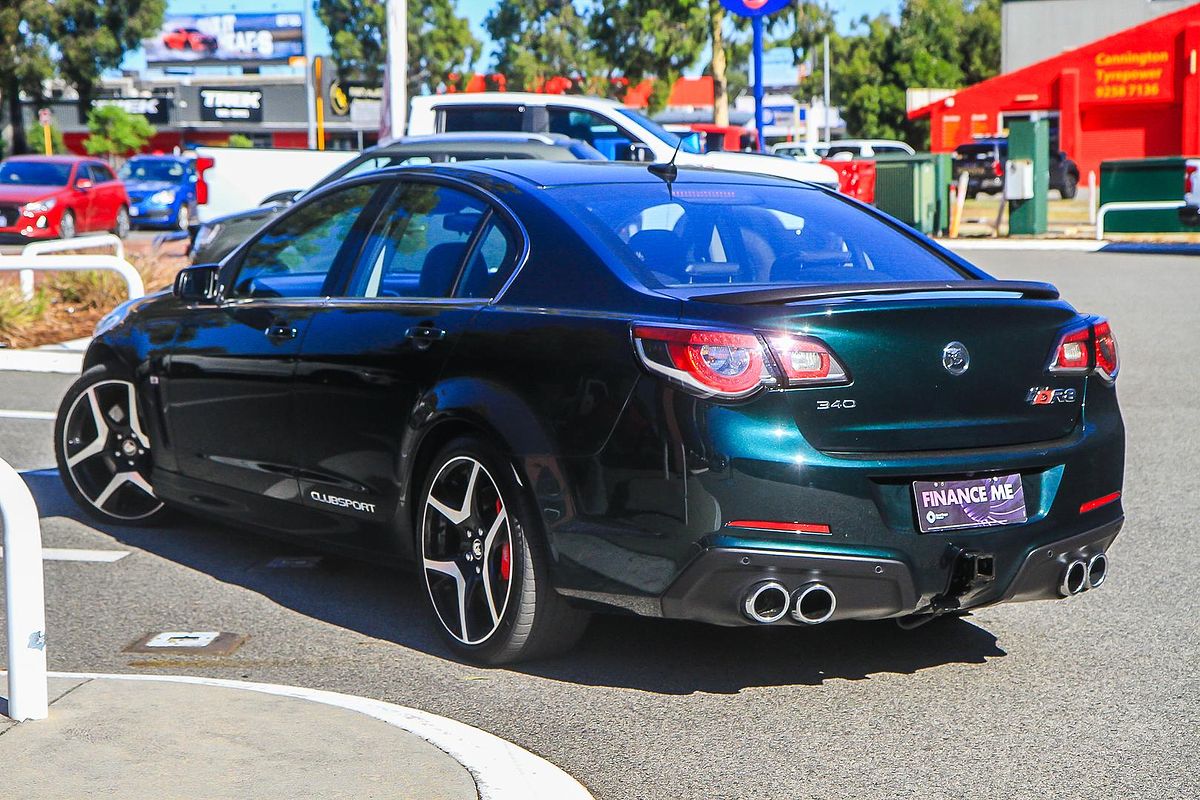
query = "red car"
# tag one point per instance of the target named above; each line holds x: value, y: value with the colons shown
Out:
x: 189, y: 39
x: 49, y: 197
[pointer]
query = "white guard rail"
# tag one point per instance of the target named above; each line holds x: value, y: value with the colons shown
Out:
x: 21, y: 263
x: 24, y: 598
x: 65, y: 246
x: 1132, y: 205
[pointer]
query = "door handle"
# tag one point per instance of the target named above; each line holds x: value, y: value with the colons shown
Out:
x: 425, y: 333
x: 280, y: 332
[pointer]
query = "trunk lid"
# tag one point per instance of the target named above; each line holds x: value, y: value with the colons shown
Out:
x: 902, y: 397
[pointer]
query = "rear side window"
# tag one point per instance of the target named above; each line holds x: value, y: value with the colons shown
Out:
x: 419, y: 243
x: 491, y: 262
x: 500, y: 118
x: 296, y: 253
x: 749, y: 235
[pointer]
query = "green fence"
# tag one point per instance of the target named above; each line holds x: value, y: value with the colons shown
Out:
x: 1129, y: 180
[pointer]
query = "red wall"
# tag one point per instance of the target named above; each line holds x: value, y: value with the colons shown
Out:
x: 1132, y: 95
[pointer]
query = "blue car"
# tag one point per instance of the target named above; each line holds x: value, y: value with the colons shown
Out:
x: 162, y: 191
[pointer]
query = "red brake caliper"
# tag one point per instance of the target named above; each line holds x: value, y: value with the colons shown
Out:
x: 505, y: 550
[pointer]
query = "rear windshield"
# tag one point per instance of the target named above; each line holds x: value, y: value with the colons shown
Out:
x: 721, y: 234
x: 34, y: 173
x: 976, y: 151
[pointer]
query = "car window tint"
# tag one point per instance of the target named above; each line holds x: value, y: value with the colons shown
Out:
x: 491, y: 263
x: 749, y: 235
x: 501, y: 118
x: 600, y: 132
x: 103, y: 173
x: 293, y: 257
x: 419, y: 243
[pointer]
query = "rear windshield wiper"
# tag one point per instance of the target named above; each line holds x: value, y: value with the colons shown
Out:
x: 785, y: 294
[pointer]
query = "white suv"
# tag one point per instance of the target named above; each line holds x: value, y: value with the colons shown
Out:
x: 620, y: 133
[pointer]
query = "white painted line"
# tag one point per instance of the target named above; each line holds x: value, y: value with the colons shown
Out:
x: 69, y: 554
x: 41, y: 361
x: 11, y: 413
x: 1062, y: 245
x: 501, y: 769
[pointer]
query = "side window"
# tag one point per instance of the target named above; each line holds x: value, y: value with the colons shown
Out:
x: 491, y: 263
x: 102, y: 174
x: 293, y: 257
x: 419, y: 243
x: 601, y: 133
x: 499, y: 118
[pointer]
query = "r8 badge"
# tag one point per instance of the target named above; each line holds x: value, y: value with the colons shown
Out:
x: 1047, y: 396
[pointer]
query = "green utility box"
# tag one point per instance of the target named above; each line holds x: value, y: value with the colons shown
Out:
x: 906, y: 187
x: 1027, y: 177
x: 1134, y: 179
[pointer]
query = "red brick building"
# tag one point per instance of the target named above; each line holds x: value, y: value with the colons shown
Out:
x: 1131, y: 95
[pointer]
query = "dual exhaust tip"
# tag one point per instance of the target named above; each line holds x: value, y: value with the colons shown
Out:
x: 770, y: 601
x: 1081, y: 575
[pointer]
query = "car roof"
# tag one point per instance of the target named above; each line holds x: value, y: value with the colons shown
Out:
x: 549, y: 174
x: 476, y: 137
x: 57, y: 159
x: 514, y: 98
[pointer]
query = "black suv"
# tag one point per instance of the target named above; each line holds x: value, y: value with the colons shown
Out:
x: 211, y: 241
x: 983, y: 160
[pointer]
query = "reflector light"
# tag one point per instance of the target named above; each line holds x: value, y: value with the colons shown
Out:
x: 1092, y: 505
x: 769, y: 525
x: 720, y: 363
x: 1107, y: 360
x: 806, y: 361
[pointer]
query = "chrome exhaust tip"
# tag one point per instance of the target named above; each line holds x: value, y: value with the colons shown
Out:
x: 766, y: 602
x: 1074, y: 579
x: 1097, y: 570
x: 813, y: 604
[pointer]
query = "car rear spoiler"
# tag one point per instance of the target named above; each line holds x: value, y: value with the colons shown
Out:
x: 786, y: 294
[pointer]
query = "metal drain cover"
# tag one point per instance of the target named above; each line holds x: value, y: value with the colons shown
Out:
x: 200, y: 643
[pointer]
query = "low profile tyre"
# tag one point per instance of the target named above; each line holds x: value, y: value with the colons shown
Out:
x: 484, y: 564
x: 66, y: 226
x: 121, y: 228
x: 103, y: 452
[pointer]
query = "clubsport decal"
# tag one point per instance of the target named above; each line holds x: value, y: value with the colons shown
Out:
x: 342, y: 502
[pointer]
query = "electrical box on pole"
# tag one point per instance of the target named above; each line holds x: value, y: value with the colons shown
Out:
x: 1027, y: 177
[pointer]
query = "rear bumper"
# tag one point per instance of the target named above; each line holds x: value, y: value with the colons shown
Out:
x: 866, y: 586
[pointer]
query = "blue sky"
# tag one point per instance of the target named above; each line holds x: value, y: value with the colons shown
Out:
x: 474, y: 10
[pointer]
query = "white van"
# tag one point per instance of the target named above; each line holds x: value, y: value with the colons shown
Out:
x: 619, y: 132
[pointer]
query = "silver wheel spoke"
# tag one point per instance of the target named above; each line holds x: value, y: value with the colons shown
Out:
x: 119, y: 480
x: 487, y: 563
x: 450, y: 568
x: 459, y: 515
x: 135, y: 422
x: 97, y: 444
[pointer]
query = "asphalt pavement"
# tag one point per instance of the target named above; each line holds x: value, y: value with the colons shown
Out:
x: 1096, y: 696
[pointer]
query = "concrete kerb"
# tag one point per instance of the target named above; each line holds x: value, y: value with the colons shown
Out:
x: 501, y: 769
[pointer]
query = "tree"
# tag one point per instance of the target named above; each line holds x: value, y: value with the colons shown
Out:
x: 439, y: 41
x: 536, y: 41
x: 25, y: 60
x: 116, y: 132
x: 650, y: 39
x: 981, y: 42
x: 240, y: 140
x: 92, y: 36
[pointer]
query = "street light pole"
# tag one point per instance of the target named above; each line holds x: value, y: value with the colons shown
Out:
x: 397, y: 66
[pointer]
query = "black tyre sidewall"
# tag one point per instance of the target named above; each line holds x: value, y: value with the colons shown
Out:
x: 97, y: 374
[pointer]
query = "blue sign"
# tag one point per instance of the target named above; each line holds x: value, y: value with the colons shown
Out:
x: 755, y: 8
x: 227, y: 39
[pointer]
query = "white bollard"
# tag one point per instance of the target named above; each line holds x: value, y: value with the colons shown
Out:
x: 1093, y: 197
x: 24, y: 598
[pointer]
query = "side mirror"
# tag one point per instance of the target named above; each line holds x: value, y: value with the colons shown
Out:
x: 83, y: 185
x: 197, y: 284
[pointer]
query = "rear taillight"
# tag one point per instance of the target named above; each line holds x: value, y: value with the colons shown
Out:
x: 735, y: 364
x: 998, y: 168
x: 806, y: 361
x: 1189, y: 172
x: 1087, y: 349
x: 711, y: 363
x: 1108, y: 363
x: 203, y: 163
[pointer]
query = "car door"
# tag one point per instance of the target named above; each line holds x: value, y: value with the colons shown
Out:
x: 372, y: 353
x: 229, y: 376
x: 108, y: 195
x: 83, y: 196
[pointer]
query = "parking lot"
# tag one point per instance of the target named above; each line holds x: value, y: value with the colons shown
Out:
x: 1096, y: 696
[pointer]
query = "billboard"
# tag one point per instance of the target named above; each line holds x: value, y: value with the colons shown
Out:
x: 226, y: 39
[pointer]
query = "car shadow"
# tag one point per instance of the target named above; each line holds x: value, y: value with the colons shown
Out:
x: 652, y: 655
